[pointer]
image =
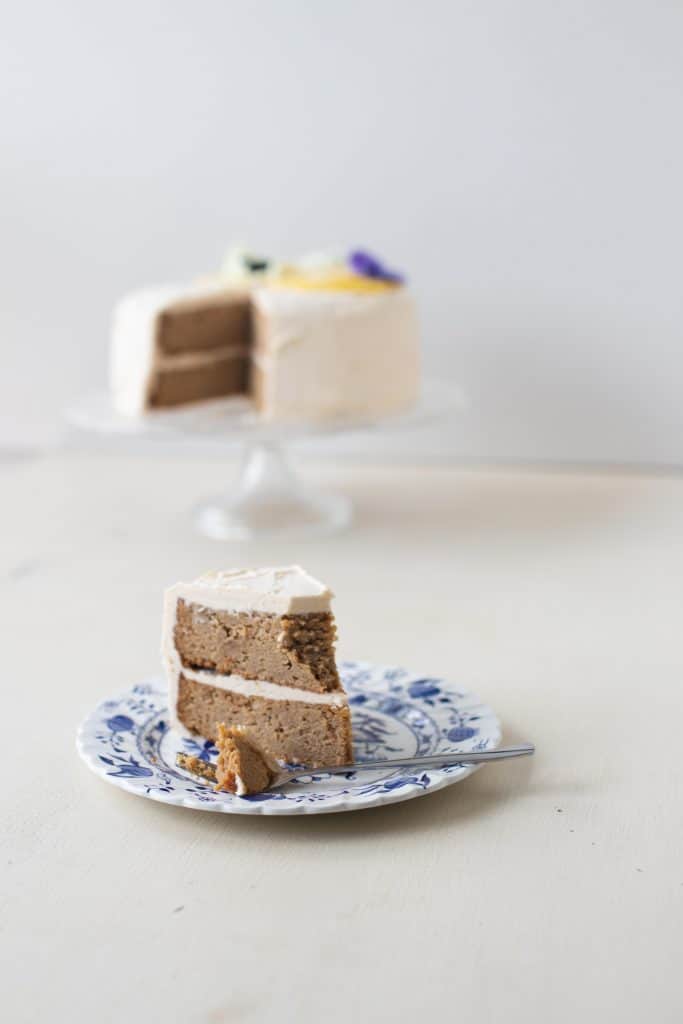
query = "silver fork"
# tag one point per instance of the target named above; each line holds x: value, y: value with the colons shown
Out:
x: 445, y: 759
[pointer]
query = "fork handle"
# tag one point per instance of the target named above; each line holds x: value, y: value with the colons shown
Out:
x: 426, y: 761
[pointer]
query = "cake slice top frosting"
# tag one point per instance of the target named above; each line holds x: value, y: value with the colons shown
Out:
x: 278, y: 591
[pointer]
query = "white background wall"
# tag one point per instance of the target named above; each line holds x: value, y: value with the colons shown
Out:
x: 522, y: 160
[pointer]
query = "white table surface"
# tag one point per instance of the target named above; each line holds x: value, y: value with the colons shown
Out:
x: 548, y: 890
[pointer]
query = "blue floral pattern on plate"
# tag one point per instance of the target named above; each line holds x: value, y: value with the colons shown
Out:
x: 128, y: 742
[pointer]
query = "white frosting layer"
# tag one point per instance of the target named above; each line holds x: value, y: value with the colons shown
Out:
x: 132, y: 355
x: 259, y: 688
x: 278, y: 591
x: 203, y: 357
x: 282, y: 591
x: 336, y: 354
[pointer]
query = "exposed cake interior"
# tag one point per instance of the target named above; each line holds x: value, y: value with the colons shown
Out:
x: 295, y: 731
x: 177, y: 345
x: 243, y: 767
x: 254, y: 649
x: 202, y: 349
x: 290, y: 650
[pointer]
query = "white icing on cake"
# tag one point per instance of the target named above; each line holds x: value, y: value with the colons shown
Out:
x: 288, y: 590
x: 326, y: 354
x: 277, y: 591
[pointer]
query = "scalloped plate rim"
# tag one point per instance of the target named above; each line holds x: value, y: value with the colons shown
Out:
x: 465, y: 701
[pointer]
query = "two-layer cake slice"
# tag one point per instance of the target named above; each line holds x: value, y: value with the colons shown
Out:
x: 254, y: 649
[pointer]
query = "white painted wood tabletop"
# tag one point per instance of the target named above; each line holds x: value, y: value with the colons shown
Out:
x: 540, y: 891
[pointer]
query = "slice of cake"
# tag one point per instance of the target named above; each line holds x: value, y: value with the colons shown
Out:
x: 254, y: 649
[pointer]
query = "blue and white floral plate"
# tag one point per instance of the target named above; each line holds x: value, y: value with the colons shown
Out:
x: 127, y: 741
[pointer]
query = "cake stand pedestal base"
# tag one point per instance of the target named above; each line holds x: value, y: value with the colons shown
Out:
x: 268, y: 499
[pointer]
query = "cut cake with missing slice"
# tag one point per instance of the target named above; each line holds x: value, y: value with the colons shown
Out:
x: 254, y: 649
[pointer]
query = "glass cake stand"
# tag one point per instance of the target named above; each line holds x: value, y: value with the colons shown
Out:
x: 268, y: 497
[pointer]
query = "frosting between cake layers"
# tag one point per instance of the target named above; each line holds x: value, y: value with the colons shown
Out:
x: 258, y: 687
x: 205, y: 357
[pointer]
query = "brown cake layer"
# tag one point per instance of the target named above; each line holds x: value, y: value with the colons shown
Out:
x: 226, y: 376
x: 289, y: 650
x: 318, y: 735
x: 197, y: 324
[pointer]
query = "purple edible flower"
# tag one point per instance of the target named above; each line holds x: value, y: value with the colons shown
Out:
x: 367, y: 265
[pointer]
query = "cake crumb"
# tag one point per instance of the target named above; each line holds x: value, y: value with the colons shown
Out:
x: 243, y: 767
x: 195, y: 765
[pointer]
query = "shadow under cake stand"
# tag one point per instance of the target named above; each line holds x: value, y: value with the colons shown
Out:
x: 268, y: 498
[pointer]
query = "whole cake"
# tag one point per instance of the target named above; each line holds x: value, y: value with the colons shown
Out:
x: 253, y: 649
x: 323, y: 339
